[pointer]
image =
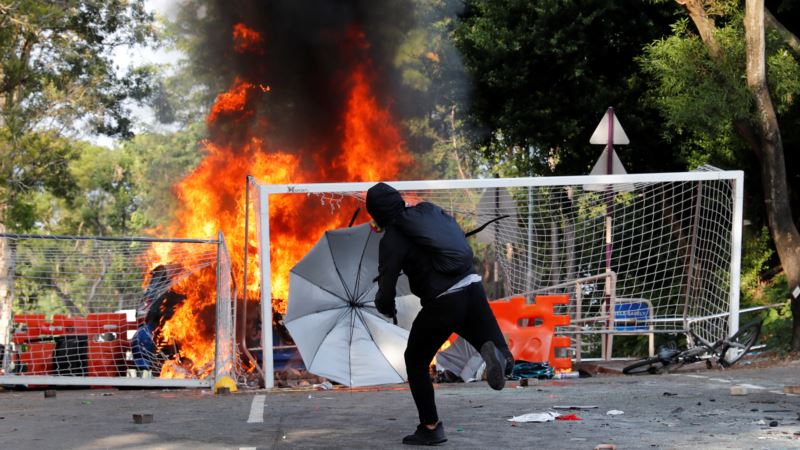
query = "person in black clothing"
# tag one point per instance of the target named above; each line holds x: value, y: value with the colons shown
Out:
x: 427, y: 245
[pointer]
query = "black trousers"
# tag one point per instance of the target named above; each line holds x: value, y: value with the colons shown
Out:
x: 465, y: 312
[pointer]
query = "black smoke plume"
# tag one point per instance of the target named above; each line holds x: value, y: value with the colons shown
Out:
x: 308, y: 48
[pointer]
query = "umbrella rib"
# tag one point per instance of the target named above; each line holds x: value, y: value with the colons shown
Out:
x: 324, y: 289
x: 350, y: 347
x: 327, y: 333
x: 363, y: 296
x: 339, y: 274
x: 361, y: 260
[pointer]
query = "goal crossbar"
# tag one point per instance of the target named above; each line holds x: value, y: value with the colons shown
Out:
x: 314, y: 188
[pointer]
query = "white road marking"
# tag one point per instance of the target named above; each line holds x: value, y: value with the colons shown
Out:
x: 247, y: 448
x: 257, y: 410
x: 744, y: 385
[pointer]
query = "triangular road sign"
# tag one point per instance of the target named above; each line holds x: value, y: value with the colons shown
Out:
x: 600, y: 135
x: 601, y: 168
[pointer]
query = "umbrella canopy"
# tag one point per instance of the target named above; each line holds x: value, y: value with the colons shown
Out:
x: 331, y: 312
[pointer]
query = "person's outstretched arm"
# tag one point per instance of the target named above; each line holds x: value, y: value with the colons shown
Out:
x: 393, y: 251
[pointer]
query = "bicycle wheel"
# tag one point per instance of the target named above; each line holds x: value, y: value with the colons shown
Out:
x: 736, y: 346
x: 650, y: 365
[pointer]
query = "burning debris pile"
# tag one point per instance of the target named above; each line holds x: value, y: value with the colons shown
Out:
x: 307, y: 102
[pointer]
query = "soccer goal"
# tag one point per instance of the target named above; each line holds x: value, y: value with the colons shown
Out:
x: 115, y: 311
x: 637, y: 253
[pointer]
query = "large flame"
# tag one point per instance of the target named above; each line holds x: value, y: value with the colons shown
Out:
x: 212, y: 197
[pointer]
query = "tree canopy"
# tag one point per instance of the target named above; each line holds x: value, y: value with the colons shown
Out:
x: 58, y: 82
x: 545, y: 72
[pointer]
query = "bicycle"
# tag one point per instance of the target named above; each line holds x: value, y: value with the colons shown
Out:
x: 726, y: 352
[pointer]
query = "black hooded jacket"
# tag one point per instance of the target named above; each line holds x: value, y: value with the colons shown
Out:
x: 400, y: 252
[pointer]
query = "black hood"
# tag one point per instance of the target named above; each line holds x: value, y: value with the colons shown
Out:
x: 384, y: 204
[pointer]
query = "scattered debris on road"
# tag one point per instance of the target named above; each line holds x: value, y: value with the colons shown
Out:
x: 535, y: 417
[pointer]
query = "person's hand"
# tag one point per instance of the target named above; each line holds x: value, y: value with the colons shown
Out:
x: 392, y: 316
x: 387, y: 309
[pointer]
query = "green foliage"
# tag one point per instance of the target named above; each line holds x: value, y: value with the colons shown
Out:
x: 101, y: 198
x: 777, y: 327
x: 756, y: 255
x: 784, y: 77
x: 546, y: 71
x: 159, y: 161
x: 701, y: 98
x: 432, y: 71
x: 57, y: 80
x: 411, y: 56
x: 777, y: 321
x: 30, y: 163
x: 56, y: 64
x: 124, y: 191
x: 184, y: 94
x: 696, y: 96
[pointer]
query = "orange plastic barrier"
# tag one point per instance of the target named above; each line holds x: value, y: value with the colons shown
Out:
x: 105, y: 336
x: 30, y: 326
x: 36, y: 357
x: 107, y: 344
x: 530, y: 328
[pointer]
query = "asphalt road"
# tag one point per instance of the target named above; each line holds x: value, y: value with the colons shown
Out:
x: 690, y: 409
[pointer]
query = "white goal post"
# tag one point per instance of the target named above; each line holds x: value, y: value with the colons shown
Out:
x: 110, y: 311
x: 669, y: 243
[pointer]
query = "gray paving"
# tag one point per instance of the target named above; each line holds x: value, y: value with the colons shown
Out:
x: 690, y: 409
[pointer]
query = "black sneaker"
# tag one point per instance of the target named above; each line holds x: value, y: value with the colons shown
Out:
x: 495, y: 366
x: 424, y: 436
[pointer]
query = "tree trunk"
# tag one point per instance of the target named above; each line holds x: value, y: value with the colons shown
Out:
x: 705, y: 25
x: 65, y: 298
x: 770, y: 156
x: 791, y: 40
x: 763, y: 138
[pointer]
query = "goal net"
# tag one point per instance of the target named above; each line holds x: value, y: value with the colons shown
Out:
x: 636, y: 253
x: 116, y: 311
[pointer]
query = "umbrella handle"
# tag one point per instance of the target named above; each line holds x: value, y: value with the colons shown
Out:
x: 394, y: 318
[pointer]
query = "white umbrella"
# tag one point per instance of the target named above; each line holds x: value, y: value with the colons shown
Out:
x: 331, y: 312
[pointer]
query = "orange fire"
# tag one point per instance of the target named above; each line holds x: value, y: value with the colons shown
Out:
x: 212, y: 197
x: 233, y: 104
x: 373, y: 151
x: 246, y: 40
